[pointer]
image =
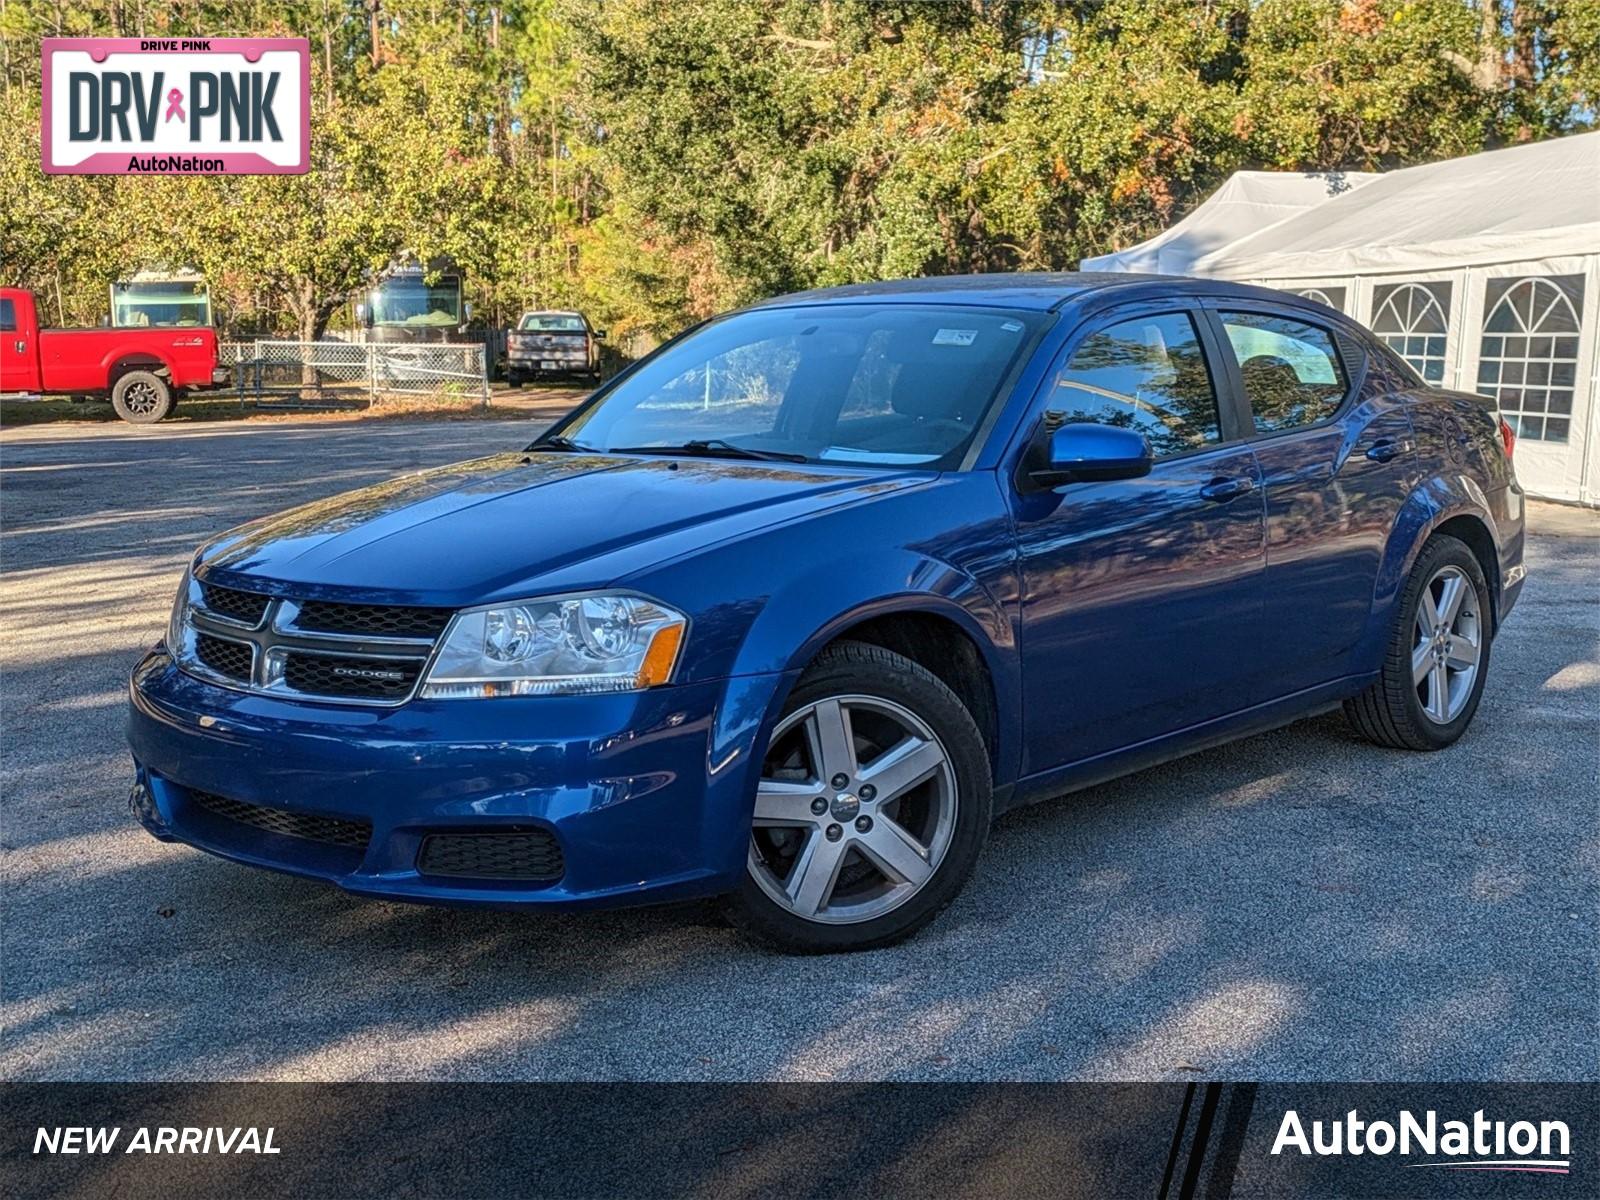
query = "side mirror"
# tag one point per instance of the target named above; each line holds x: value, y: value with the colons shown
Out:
x: 599, y: 335
x: 361, y: 314
x: 1087, y: 453
x: 466, y: 310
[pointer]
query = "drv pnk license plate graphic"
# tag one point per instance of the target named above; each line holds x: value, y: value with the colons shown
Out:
x: 162, y: 106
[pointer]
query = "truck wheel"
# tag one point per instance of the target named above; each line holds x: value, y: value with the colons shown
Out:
x: 141, y: 397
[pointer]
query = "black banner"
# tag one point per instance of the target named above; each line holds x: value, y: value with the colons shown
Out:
x: 573, y: 1141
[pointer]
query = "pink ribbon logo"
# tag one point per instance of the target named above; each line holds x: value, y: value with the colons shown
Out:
x: 175, y: 105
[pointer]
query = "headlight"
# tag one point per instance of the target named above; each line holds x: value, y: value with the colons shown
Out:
x: 565, y: 646
x: 180, y: 613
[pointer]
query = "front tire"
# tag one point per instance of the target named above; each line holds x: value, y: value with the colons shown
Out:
x: 141, y: 397
x: 1438, y: 656
x: 874, y: 803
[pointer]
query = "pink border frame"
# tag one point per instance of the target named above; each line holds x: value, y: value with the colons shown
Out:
x: 232, y: 164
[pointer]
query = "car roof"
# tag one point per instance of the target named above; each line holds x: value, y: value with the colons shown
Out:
x: 1040, y: 291
x: 551, y: 312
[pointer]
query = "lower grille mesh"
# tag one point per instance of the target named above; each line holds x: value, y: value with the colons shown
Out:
x: 528, y: 855
x: 223, y: 656
x: 334, y: 831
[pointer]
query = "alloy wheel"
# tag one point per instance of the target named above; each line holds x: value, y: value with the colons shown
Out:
x: 1447, y: 645
x: 141, y: 398
x: 855, y: 810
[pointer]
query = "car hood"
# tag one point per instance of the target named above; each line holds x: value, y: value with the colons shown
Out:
x: 518, y: 524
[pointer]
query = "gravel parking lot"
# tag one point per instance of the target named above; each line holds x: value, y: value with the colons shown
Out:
x: 1299, y: 905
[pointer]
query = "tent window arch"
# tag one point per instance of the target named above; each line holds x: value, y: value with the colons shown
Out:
x: 1529, y: 356
x: 1333, y: 297
x: 1413, y: 319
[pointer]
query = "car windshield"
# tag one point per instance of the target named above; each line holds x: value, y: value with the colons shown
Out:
x: 552, y: 323
x: 874, y: 384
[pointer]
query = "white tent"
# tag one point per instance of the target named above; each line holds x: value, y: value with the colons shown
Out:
x: 1247, y: 203
x: 1484, y: 272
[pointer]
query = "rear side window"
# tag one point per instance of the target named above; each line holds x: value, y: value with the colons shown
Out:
x: 8, y: 315
x: 1148, y: 374
x: 1292, y: 374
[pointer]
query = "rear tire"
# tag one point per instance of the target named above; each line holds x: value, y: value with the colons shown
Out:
x: 141, y: 397
x: 896, y: 840
x: 513, y: 379
x: 1438, y: 655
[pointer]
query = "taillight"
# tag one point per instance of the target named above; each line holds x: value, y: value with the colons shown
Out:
x: 1508, y: 437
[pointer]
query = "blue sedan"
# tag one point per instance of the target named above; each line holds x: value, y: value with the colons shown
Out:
x: 791, y: 609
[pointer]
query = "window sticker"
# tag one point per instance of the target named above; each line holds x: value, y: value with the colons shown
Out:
x: 955, y: 337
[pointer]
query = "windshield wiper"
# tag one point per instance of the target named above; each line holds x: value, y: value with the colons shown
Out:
x: 557, y: 441
x: 713, y: 448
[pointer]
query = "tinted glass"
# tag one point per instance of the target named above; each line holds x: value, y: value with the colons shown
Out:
x: 552, y: 323
x: 1292, y: 375
x: 8, y: 315
x: 852, y: 383
x: 1147, y: 374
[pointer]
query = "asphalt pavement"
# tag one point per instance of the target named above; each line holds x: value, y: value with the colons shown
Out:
x: 1296, y: 906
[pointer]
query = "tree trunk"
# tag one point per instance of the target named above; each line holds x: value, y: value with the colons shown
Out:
x: 305, y: 311
x: 372, y: 29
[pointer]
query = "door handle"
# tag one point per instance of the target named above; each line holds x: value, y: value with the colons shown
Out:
x: 1223, y: 488
x: 1388, y: 449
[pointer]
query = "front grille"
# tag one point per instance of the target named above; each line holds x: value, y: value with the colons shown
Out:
x: 320, y: 649
x: 360, y: 678
x: 511, y: 855
x: 372, y: 620
x: 334, y: 831
x: 223, y: 656
x: 247, y: 607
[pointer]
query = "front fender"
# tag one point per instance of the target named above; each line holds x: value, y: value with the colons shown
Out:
x: 826, y: 602
x: 763, y: 604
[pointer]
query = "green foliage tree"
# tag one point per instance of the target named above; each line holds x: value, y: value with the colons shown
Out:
x: 655, y: 161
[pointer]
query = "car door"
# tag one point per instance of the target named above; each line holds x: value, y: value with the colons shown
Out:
x: 19, y: 359
x: 1140, y: 597
x: 1338, y: 460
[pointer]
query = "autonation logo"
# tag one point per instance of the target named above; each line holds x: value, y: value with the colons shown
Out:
x: 1478, y: 1145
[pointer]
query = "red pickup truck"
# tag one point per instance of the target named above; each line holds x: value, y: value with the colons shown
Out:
x: 141, y: 369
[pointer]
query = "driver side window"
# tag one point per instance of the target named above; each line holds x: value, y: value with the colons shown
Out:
x: 1148, y: 374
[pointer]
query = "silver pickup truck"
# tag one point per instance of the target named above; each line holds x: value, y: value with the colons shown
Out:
x: 553, y: 344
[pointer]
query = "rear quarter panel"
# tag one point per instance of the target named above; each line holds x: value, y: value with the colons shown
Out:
x: 74, y: 360
x: 1463, y: 472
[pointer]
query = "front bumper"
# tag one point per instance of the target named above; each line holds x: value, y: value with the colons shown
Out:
x: 648, y: 794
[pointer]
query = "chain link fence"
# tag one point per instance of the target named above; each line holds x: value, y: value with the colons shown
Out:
x: 330, y: 374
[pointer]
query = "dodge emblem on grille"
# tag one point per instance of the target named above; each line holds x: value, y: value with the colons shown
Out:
x: 366, y: 673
